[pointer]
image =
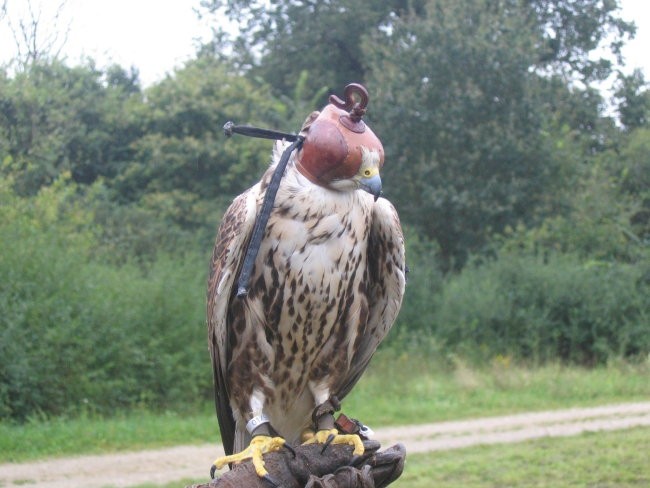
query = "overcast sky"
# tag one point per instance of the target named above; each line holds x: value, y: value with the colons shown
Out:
x: 157, y: 35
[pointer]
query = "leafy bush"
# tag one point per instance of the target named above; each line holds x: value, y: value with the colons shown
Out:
x: 77, y: 334
x: 424, y: 279
x: 558, y: 308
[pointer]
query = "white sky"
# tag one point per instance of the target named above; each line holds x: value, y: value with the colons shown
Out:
x: 637, y: 52
x: 153, y: 35
x: 157, y: 35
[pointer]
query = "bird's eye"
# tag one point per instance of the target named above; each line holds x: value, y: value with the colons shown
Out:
x: 366, y: 172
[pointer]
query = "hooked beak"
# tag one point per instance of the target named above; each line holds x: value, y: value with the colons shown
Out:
x: 372, y: 185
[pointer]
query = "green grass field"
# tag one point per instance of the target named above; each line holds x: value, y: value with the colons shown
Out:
x: 398, y: 389
x: 610, y: 459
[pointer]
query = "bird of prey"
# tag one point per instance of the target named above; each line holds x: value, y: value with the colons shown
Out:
x: 326, y: 285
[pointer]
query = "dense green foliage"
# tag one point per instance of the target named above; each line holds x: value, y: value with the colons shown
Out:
x: 483, y: 142
x: 545, y: 309
x: 526, y: 205
x: 79, y: 335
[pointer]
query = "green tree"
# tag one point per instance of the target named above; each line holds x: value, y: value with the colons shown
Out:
x: 183, y: 171
x: 279, y: 40
x: 182, y: 154
x: 568, y: 32
x: 633, y: 98
x: 55, y: 118
x: 460, y: 116
x: 470, y: 101
x: 165, y: 166
x: 607, y: 214
x: 633, y: 173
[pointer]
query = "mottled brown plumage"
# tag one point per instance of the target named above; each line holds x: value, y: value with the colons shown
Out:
x: 327, y: 286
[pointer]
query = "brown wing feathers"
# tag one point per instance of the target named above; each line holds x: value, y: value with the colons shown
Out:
x: 232, y: 237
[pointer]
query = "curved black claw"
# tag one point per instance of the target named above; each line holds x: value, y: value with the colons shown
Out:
x: 271, y: 481
x: 290, y: 449
x: 213, y: 470
x: 327, y: 443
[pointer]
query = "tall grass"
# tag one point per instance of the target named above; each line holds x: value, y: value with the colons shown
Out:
x: 429, y: 383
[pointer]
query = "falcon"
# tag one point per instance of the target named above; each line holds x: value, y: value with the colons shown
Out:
x: 325, y: 287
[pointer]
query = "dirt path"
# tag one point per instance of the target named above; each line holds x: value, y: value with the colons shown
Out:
x: 165, y: 465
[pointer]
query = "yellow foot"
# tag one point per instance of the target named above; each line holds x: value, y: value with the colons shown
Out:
x: 260, y: 444
x: 332, y: 436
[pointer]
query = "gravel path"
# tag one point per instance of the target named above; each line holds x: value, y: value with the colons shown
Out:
x: 165, y: 465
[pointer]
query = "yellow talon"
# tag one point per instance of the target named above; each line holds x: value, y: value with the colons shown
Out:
x: 322, y: 436
x: 260, y: 445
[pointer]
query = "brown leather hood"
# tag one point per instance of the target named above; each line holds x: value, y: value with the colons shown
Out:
x: 333, y: 141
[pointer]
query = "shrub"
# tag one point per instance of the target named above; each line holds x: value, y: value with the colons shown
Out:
x: 558, y: 308
x: 76, y: 334
x: 423, y: 281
